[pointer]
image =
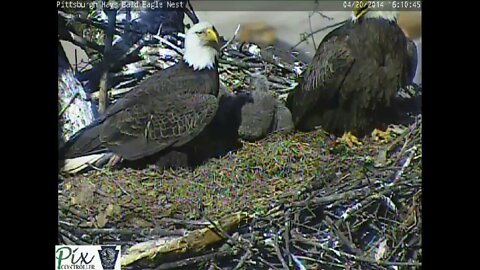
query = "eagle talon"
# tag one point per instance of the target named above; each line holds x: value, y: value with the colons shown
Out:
x: 381, y: 136
x: 114, y: 161
x: 349, y: 139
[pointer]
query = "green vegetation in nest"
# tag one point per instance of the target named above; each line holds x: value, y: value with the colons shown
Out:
x: 250, y: 179
x: 366, y: 197
x: 275, y: 169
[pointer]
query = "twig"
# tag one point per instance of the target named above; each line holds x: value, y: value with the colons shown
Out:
x: 262, y: 260
x: 72, y: 237
x: 397, y: 246
x: 324, y: 16
x: 219, y: 231
x: 278, y: 79
x: 405, y: 165
x: 191, y: 13
x: 83, y: 43
x: 333, y: 198
x: 351, y: 246
x: 91, y: 22
x: 74, y: 212
x: 67, y: 241
x: 112, y: 93
x: 240, y: 63
x: 311, y: 30
x: 93, y: 74
x: 245, y: 256
x: 402, y: 150
x: 275, y: 85
x: 155, y: 231
x: 76, y: 61
x: 397, y: 140
x: 65, y: 108
x: 320, y: 13
x: 298, y: 262
x: 307, y: 227
x: 317, y: 31
x: 120, y: 187
x: 183, y: 222
x: 286, y: 234
x: 190, y: 261
x: 64, y: 223
x: 230, y: 40
x: 341, y: 266
x: 278, y: 252
x: 357, y: 258
x: 168, y: 43
x: 270, y: 58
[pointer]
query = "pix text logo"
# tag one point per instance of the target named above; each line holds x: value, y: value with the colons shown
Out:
x: 87, y: 257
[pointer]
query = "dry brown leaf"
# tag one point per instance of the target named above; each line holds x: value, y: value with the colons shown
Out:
x: 85, y: 194
x: 381, y: 159
x: 102, y: 219
x: 110, y: 210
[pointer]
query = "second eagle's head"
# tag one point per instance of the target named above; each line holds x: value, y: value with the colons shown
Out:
x: 363, y: 10
x: 202, y: 44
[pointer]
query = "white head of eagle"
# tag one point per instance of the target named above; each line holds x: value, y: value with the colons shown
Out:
x: 201, y: 46
x: 366, y: 13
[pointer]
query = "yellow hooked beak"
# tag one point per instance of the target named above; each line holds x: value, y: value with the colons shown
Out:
x: 360, y: 10
x: 211, y: 35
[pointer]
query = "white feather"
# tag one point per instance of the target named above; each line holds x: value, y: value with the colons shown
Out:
x: 387, y: 15
x: 75, y: 165
x: 197, y: 54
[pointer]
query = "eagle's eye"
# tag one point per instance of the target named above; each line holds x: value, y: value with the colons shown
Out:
x: 198, y: 32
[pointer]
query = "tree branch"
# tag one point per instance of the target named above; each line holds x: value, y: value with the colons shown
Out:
x: 317, y: 31
x: 103, y: 95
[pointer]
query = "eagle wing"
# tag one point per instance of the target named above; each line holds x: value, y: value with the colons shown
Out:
x: 412, y: 64
x: 168, y: 109
x: 354, y: 74
x: 323, y: 78
x: 157, y: 123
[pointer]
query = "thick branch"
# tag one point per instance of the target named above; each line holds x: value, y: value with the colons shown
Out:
x: 81, y: 42
x: 103, y: 96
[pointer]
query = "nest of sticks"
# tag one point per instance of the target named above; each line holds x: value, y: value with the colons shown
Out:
x: 297, y: 201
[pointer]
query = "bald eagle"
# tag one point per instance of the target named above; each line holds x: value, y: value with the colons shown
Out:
x: 167, y: 110
x: 352, y: 83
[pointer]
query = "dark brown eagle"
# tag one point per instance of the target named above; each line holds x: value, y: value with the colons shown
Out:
x: 354, y: 78
x: 168, y: 109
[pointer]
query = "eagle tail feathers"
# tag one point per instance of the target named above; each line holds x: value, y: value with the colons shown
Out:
x: 84, y: 142
x: 78, y: 164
